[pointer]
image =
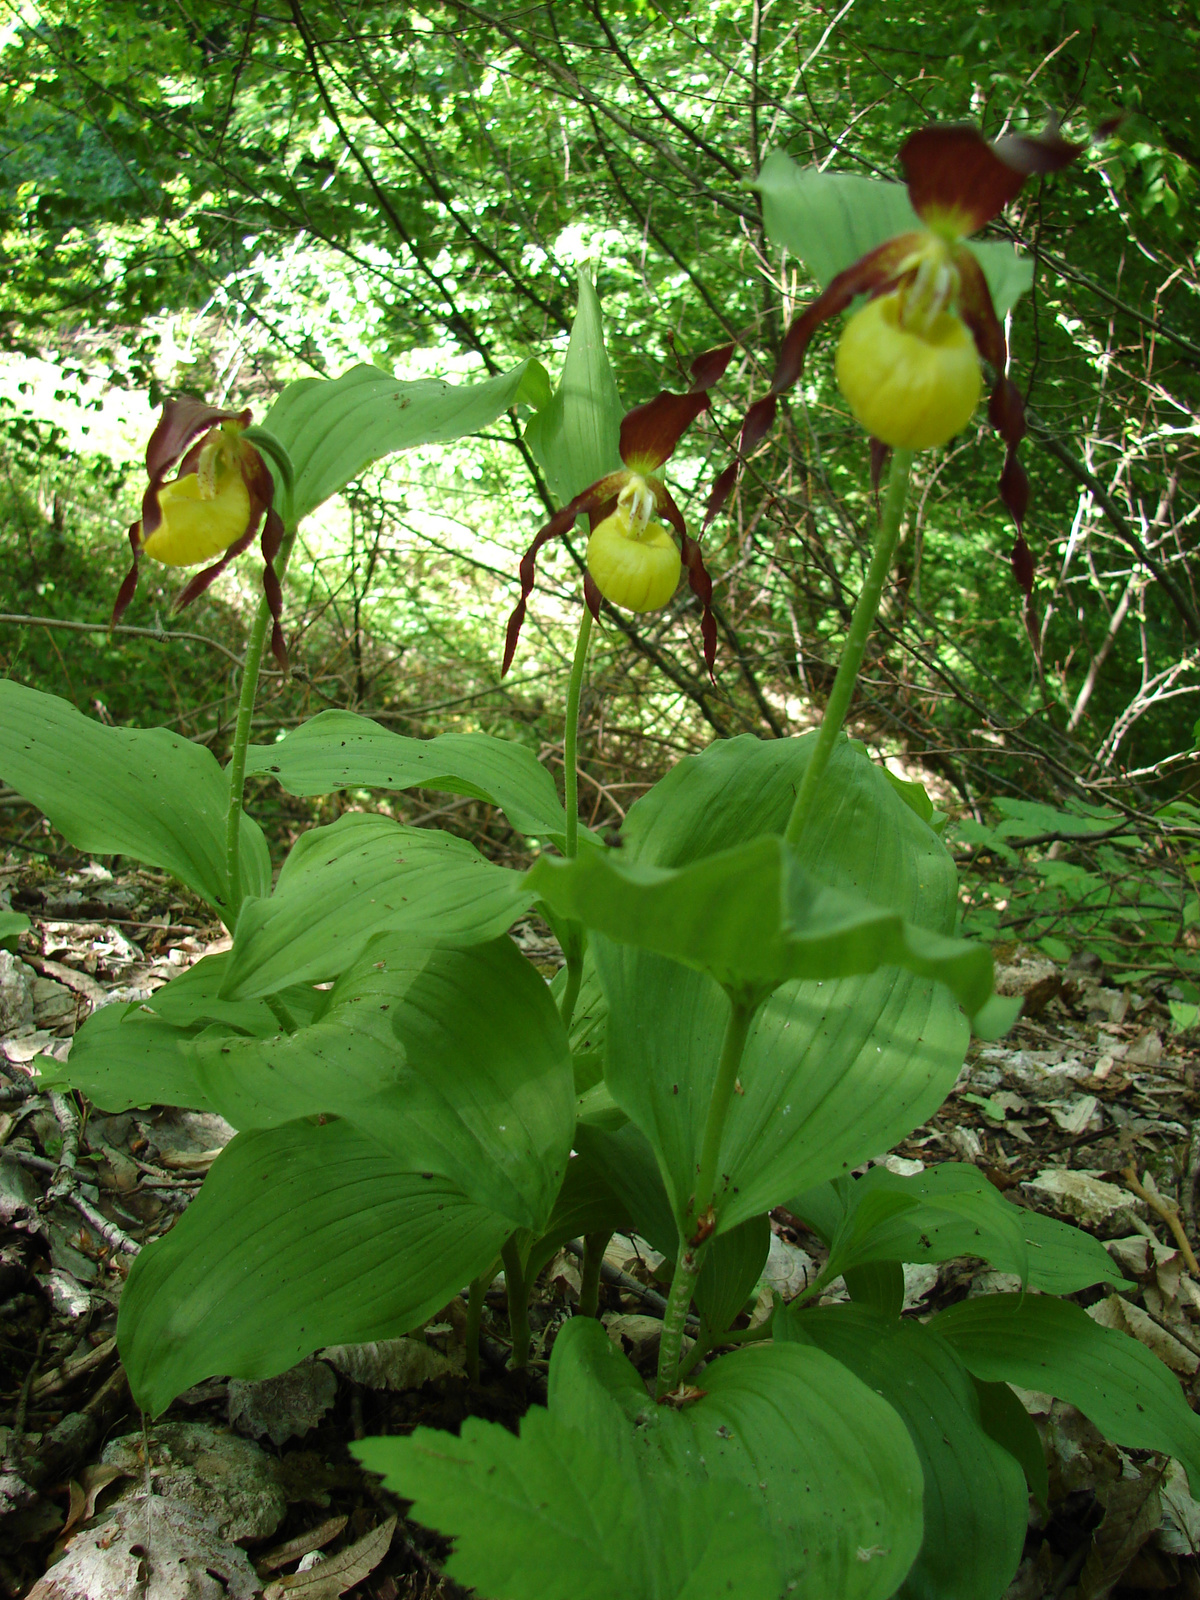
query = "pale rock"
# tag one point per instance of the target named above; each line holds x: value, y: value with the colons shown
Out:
x: 16, y: 994
x: 1085, y: 1196
x: 225, y: 1480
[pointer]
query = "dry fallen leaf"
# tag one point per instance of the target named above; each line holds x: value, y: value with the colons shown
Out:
x: 302, y: 1545
x: 333, y: 1576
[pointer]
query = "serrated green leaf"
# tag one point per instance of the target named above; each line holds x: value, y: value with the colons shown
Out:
x: 575, y: 436
x: 363, y: 875
x: 339, y: 750
x: 334, y: 429
x: 1043, y: 1343
x: 789, y: 1474
x: 301, y: 1236
x: 976, y: 1505
x: 453, y: 1061
x: 830, y: 219
x: 140, y: 792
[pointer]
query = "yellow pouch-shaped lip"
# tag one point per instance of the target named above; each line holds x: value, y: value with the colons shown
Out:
x: 637, y: 571
x: 911, y: 390
x: 194, y: 529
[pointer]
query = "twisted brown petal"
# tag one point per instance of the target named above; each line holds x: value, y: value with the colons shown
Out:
x: 700, y: 583
x: 591, y: 499
x: 870, y: 274
x: 129, y: 582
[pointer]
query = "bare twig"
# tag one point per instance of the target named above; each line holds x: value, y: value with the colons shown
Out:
x: 1170, y: 1215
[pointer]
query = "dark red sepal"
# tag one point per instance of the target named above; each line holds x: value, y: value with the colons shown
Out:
x: 1022, y: 565
x: 591, y: 499
x: 650, y: 432
x: 700, y: 583
x: 130, y: 581
x: 1006, y: 409
x: 957, y: 181
x: 592, y: 596
x: 204, y: 579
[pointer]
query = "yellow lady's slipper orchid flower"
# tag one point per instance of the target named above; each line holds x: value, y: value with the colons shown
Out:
x: 632, y: 560
x: 212, y: 507
x: 909, y: 360
x: 910, y: 384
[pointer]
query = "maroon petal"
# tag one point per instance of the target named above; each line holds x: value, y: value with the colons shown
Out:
x: 272, y: 538
x: 1022, y: 565
x: 203, y: 579
x: 701, y: 586
x: 650, y: 432
x: 957, y: 181
x: 591, y: 499
x: 872, y: 274
x: 129, y: 582
x: 709, y: 367
x: 592, y: 596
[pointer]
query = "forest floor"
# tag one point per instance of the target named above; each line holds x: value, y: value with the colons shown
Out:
x: 1088, y: 1110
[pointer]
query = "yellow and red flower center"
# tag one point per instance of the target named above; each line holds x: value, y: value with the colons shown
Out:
x: 634, y: 561
x: 203, y: 512
x: 907, y: 363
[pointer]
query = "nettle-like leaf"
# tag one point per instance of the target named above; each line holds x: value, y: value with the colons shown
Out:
x: 140, y: 792
x: 830, y: 219
x: 834, y: 1070
x: 302, y: 1236
x: 575, y: 437
x: 1043, y: 1343
x: 452, y: 1061
x: 789, y: 1475
x: 339, y: 750
x: 976, y: 1504
x: 334, y: 429
x: 949, y: 1210
x: 365, y: 874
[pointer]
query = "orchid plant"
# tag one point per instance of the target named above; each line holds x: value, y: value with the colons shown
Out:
x: 760, y: 994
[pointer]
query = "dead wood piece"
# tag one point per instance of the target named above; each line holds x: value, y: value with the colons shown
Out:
x: 82, y: 983
x: 1170, y: 1215
x: 61, y: 1377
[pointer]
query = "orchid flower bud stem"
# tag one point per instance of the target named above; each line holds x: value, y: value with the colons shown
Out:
x: 856, y: 643
x: 574, y: 939
x: 241, y: 737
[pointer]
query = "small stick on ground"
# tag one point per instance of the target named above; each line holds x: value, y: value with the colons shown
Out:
x: 1170, y: 1215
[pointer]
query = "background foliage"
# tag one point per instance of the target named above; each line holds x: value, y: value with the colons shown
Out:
x: 216, y: 198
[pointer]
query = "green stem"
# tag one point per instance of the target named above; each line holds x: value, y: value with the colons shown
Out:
x: 574, y: 941
x: 693, y: 1250
x: 571, y: 737
x: 683, y: 1288
x: 737, y: 1028
x: 280, y: 1012
x: 241, y: 738
x: 856, y: 642
x: 518, y: 1303
x: 594, y: 1246
x: 704, y: 1347
x: 475, y: 1322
